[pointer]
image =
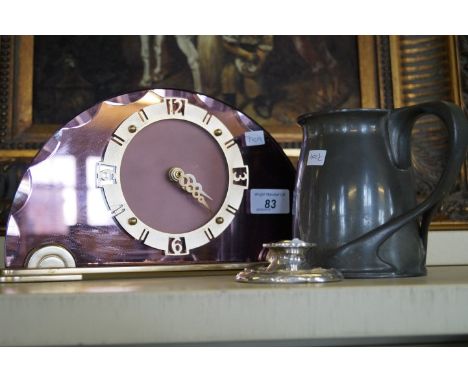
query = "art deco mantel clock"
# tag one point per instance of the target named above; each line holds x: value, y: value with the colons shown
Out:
x: 149, y: 182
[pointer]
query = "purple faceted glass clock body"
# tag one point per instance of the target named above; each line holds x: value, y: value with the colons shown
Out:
x: 157, y: 177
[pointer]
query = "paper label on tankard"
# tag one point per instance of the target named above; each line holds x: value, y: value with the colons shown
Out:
x: 269, y: 201
x: 316, y: 157
x: 254, y: 138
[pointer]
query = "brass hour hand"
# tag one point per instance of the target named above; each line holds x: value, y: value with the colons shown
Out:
x: 189, y: 184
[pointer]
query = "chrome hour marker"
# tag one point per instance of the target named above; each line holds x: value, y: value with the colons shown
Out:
x: 230, y: 143
x: 240, y: 176
x: 105, y: 174
x: 209, y: 234
x: 175, y: 106
x: 115, y: 211
x: 231, y: 209
x: 207, y: 118
x: 116, y: 139
x: 176, y: 246
x: 142, y: 115
x: 144, y: 235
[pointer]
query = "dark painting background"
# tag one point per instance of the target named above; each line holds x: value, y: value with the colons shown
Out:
x: 299, y: 74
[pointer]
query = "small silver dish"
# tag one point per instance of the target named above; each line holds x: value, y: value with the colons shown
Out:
x: 288, y: 265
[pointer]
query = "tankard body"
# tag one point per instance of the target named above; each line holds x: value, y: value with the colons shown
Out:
x: 355, y: 189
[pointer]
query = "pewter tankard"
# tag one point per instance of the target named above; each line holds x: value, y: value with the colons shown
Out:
x: 355, y: 190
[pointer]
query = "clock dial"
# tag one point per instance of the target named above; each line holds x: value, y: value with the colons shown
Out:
x: 152, y: 196
x: 178, y: 176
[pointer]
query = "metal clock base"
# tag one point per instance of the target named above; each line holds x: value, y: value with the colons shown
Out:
x: 95, y: 273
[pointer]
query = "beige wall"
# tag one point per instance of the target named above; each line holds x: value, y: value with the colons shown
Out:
x: 448, y: 248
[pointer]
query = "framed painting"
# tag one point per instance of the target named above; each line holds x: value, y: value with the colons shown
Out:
x: 47, y: 80
x: 271, y: 78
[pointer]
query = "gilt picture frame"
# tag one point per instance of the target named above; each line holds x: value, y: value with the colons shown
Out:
x: 391, y: 72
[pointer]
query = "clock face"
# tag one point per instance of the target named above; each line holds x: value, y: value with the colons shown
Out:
x: 173, y: 176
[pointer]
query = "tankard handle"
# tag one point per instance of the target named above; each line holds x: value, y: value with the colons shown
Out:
x: 400, y: 125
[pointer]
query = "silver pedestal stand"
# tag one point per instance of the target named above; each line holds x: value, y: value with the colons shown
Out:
x: 288, y: 265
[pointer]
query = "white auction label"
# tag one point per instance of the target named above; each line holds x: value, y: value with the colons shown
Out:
x: 316, y: 157
x: 254, y: 138
x: 269, y: 201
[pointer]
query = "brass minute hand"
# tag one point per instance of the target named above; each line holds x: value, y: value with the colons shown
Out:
x: 189, y: 184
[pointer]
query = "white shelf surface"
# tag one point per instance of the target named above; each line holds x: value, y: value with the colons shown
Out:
x: 216, y: 309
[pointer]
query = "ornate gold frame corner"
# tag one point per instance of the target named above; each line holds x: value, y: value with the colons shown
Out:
x: 426, y: 68
x: 19, y: 137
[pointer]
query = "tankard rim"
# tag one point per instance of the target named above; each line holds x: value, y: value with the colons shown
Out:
x: 302, y: 118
